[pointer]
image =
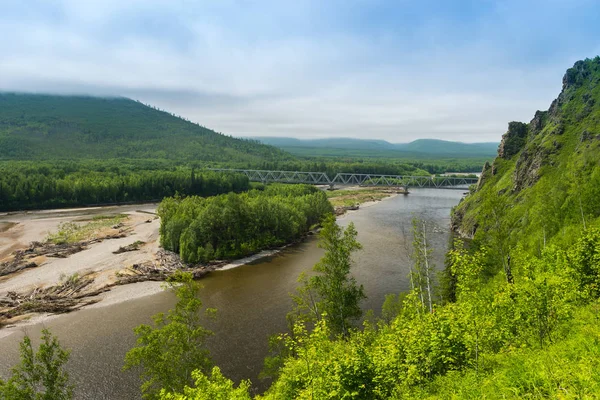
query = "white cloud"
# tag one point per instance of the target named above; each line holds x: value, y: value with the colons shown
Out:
x: 279, y: 70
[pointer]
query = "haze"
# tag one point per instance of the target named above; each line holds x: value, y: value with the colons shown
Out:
x: 392, y: 70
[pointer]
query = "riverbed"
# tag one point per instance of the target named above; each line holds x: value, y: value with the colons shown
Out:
x: 252, y: 300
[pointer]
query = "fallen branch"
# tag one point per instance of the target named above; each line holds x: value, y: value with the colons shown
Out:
x: 21, y: 259
x: 130, y: 247
x: 166, y: 264
x: 71, y: 294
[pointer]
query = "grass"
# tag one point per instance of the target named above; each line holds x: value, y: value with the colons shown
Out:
x: 566, y: 369
x: 73, y: 232
x: 108, y: 217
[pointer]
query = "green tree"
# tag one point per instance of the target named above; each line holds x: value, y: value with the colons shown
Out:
x: 333, y: 292
x: 170, y: 350
x: 213, y: 387
x: 40, y: 375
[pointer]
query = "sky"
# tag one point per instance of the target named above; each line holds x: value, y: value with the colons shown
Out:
x: 395, y: 70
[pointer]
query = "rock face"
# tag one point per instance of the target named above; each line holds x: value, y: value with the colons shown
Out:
x: 526, y: 139
x: 537, y: 123
x: 561, y: 142
x: 485, y: 172
x: 513, y: 140
x: 527, y: 169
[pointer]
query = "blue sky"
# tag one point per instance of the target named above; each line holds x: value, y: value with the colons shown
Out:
x: 394, y: 70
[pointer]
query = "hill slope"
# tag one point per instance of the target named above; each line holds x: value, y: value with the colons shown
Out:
x: 420, y: 148
x: 435, y: 146
x: 547, y: 173
x: 36, y: 126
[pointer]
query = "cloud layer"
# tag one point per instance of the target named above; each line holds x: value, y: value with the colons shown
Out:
x: 395, y: 70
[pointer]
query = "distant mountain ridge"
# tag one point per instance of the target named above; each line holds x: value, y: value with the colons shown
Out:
x: 420, y: 146
x: 36, y: 126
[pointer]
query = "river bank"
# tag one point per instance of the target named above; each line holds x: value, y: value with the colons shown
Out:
x: 47, y: 282
x: 252, y: 300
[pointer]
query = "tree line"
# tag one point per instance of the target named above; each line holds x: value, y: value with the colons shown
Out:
x: 54, y: 187
x: 235, y: 225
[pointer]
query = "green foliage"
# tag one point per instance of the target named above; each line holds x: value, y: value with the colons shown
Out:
x: 567, y: 369
x: 40, y: 375
x: 25, y: 185
x: 585, y: 259
x: 236, y: 225
x: 50, y: 127
x: 170, y: 350
x: 215, y: 387
x: 73, y: 232
x: 332, y: 293
x: 421, y: 149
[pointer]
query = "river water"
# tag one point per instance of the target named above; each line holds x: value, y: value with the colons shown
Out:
x: 252, y: 300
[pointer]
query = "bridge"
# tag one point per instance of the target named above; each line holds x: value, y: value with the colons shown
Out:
x: 343, y: 178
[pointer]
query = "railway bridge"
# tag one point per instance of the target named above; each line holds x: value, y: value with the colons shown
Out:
x: 345, y: 179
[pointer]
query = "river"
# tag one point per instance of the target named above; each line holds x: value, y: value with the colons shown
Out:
x: 252, y: 300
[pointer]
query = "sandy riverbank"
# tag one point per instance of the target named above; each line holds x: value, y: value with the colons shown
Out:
x: 17, y: 230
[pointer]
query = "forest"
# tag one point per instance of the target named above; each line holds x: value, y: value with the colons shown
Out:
x: 65, y: 151
x: 233, y: 225
x: 52, y: 127
x: 25, y: 185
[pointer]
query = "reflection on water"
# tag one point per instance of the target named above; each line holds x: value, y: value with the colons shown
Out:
x: 252, y: 300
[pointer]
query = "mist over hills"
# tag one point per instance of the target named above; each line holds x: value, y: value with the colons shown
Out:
x: 40, y: 126
x: 418, y: 147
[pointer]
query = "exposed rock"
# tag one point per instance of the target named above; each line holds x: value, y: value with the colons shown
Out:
x: 586, y: 135
x: 456, y: 224
x: 513, y: 140
x: 485, y: 172
x: 538, y: 122
x: 527, y: 169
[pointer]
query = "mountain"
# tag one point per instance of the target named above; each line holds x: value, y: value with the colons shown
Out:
x: 338, y: 143
x: 34, y: 126
x: 435, y: 146
x: 546, y: 177
x: 382, y: 148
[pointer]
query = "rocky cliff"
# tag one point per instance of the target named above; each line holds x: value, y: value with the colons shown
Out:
x: 557, y: 152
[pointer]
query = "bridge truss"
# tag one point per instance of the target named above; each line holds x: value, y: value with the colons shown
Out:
x: 321, y: 178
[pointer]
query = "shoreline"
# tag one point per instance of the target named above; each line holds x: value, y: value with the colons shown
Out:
x: 117, y: 294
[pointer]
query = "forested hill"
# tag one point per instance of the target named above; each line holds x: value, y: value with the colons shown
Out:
x: 416, y: 149
x: 34, y: 126
x: 547, y: 173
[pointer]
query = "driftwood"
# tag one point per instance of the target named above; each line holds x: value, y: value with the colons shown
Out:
x: 21, y: 259
x: 340, y: 210
x: 10, y: 267
x: 167, y: 264
x: 71, y: 294
x: 130, y: 247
